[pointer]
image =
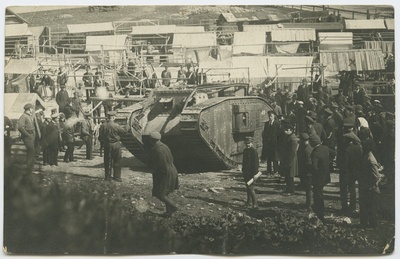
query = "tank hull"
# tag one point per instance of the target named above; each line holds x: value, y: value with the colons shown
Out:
x: 203, y: 137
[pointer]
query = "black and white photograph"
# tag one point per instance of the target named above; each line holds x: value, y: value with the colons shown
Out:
x: 199, y: 129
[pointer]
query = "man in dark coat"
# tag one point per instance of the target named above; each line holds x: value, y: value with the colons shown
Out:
x: 350, y: 174
x: 26, y: 127
x: 88, y: 82
x: 110, y: 135
x: 270, y: 143
x: 43, y: 139
x: 165, y: 175
x: 87, y: 127
x: 69, y: 140
x: 305, y: 167
x: 70, y: 110
x: 53, y: 140
x: 62, y: 99
x: 166, y: 77
x: 250, y: 169
x: 320, y: 176
x: 288, y: 161
x: 303, y: 91
x: 300, y: 114
x: 329, y: 128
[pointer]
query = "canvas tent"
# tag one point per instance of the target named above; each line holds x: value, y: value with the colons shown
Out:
x: 193, y: 47
x: 250, y: 42
x: 352, y: 60
x: 14, y: 103
x: 335, y: 40
x: 110, y: 47
x: 90, y: 28
x: 18, y: 71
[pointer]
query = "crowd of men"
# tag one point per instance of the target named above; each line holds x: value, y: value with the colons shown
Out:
x: 310, y: 132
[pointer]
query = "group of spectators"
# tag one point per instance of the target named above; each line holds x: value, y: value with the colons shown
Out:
x: 310, y: 132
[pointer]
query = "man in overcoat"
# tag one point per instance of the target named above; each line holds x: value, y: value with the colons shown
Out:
x: 165, y: 175
x: 320, y: 176
x: 288, y: 161
x: 53, y: 140
x: 305, y: 167
x: 87, y: 128
x: 26, y: 127
x: 270, y: 143
x: 62, y: 99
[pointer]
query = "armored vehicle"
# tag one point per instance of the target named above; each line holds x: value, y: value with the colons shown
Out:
x: 204, y: 127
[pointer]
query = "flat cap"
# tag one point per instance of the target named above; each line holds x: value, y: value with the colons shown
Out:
x: 62, y: 85
x: 312, y: 114
x: 327, y: 110
x: 287, y: 125
x: 304, y: 136
x: 155, y: 135
x: 54, y: 115
x: 248, y: 138
x: 28, y: 106
x: 309, y: 119
x: 112, y: 113
x: 334, y: 105
x: 300, y: 102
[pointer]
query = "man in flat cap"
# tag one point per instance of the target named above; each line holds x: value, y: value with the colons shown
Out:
x: 289, y: 167
x: 87, y: 129
x: 62, y: 99
x: 26, y: 126
x: 305, y: 167
x: 110, y: 135
x: 320, y: 157
x: 53, y: 140
x: 165, y: 175
x: 249, y: 170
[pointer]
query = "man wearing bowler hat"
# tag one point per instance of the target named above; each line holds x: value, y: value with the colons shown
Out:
x: 111, y: 134
x: 26, y: 126
x: 165, y: 175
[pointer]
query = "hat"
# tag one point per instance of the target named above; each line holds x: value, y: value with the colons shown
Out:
x: 62, y: 115
x: 314, y: 140
x: 334, y: 105
x: 248, y: 138
x: 348, y: 124
x: 313, y: 115
x: 327, y: 110
x: 28, y: 106
x: 54, y: 115
x: 155, y: 135
x: 287, y: 125
x: 271, y: 112
x: 304, y: 136
x: 62, y: 86
x: 54, y: 110
x: 300, y: 102
x: 111, y: 113
x: 377, y: 101
x: 309, y: 119
x: 349, y: 107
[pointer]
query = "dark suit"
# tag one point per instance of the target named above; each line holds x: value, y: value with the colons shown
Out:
x: 270, y: 149
x: 303, y: 93
x: 305, y: 169
x: 320, y: 176
x: 53, y: 140
x: 249, y: 163
x: 62, y: 100
x: 289, y: 167
x: 349, y: 176
x: 87, y: 137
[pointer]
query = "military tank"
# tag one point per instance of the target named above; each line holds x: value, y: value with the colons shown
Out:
x: 204, y: 127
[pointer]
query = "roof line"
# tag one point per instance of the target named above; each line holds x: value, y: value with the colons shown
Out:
x: 17, y: 15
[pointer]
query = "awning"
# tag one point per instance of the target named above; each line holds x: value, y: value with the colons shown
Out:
x: 37, y: 31
x: 194, y: 40
x: 377, y: 24
x: 289, y: 66
x: 293, y: 34
x: 335, y: 38
x: 90, y: 27
x: 352, y: 60
x: 21, y: 66
x: 261, y: 27
x: 385, y: 46
x: 108, y: 42
x: 14, y: 103
x: 318, y: 26
x: 389, y: 24
x: 14, y: 30
x: 252, y: 42
x: 153, y: 29
x: 189, y: 29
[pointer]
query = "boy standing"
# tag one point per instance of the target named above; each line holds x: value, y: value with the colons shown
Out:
x: 250, y: 169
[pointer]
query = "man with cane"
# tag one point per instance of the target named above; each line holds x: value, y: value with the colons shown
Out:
x: 110, y: 135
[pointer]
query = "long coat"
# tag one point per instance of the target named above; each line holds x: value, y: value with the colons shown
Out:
x: 250, y: 163
x: 304, y: 156
x: 52, y: 135
x: 62, y: 100
x: 165, y: 175
x: 289, y: 167
x: 270, y: 141
x: 320, y: 163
